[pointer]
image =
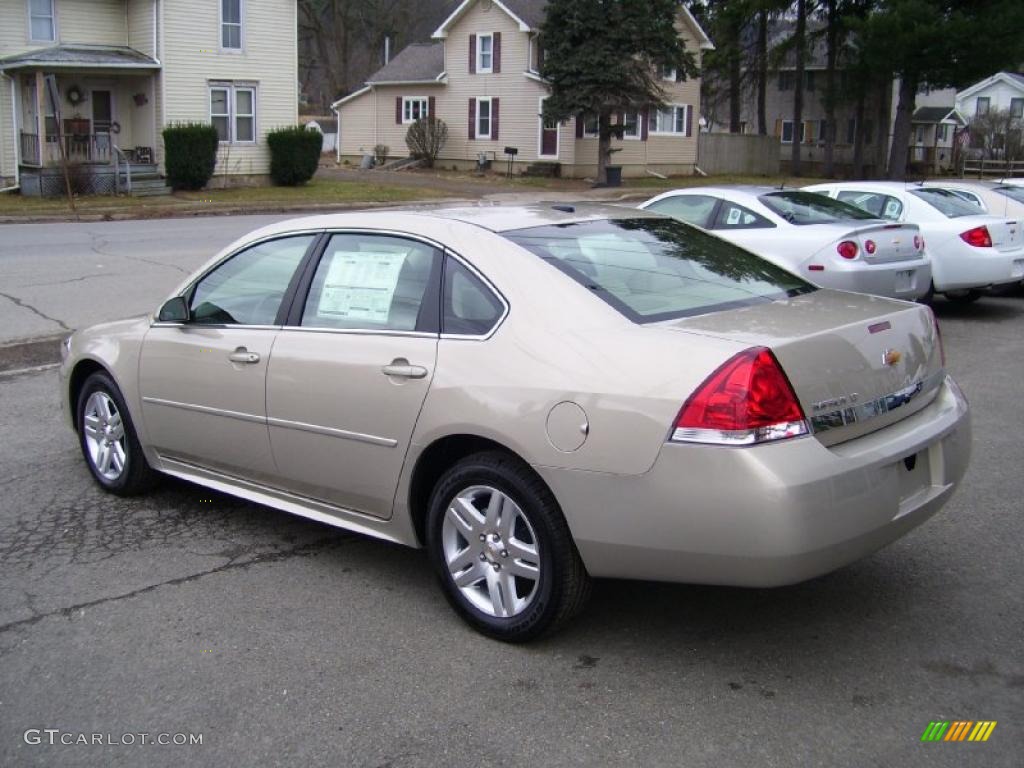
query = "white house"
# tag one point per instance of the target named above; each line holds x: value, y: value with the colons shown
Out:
x: 1003, y: 90
x: 116, y: 72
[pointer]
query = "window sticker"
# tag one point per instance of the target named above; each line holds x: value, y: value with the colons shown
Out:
x: 734, y: 217
x: 892, y: 209
x: 360, y: 285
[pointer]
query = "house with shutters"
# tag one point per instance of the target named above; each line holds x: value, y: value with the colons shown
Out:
x: 96, y: 81
x: 481, y: 76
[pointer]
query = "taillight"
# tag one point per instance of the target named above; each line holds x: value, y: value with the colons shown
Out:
x: 918, y: 243
x: 847, y: 249
x: 869, y: 246
x: 747, y: 400
x: 978, y: 237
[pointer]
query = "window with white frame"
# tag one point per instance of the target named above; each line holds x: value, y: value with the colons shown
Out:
x: 231, y: 24
x: 483, y: 118
x: 1016, y: 107
x: 591, y: 126
x: 981, y: 106
x: 667, y: 73
x: 413, y: 109
x: 233, y: 112
x: 672, y: 119
x: 787, y: 131
x: 631, y: 121
x: 485, y: 53
x: 941, y: 133
x: 42, y: 21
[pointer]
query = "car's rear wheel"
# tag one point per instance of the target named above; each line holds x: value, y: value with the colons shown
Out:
x: 502, y: 549
x: 108, y: 440
x: 963, y: 297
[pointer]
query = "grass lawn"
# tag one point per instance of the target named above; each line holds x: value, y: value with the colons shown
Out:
x: 317, y: 192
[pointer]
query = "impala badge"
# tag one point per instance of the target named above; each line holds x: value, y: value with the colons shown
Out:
x: 891, y: 357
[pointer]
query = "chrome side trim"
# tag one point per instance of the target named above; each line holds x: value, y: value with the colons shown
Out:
x: 862, y: 412
x: 206, y: 409
x: 357, y: 331
x: 344, y: 434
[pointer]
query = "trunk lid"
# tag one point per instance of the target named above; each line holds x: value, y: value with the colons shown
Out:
x: 857, y: 363
x: 893, y: 242
x: 1006, y: 234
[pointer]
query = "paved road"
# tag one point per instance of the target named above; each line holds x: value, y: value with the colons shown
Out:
x: 58, y: 277
x: 285, y: 642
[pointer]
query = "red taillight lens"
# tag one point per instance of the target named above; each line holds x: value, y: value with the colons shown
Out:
x: 747, y: 400
x: 918, y: 243
x: 847, y: 249
x: 978, y: 237
x: 869, y: 246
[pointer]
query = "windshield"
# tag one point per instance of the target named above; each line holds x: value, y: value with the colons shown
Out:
x: 658, y: 269
x: 811, y: 208
x: 1014, y: 193
x: 945, y: 202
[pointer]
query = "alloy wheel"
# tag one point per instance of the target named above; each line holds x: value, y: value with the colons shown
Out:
x: 104, y: 436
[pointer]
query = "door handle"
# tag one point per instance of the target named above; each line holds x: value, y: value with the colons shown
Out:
x: 242, y: 355
x: 400, y: 367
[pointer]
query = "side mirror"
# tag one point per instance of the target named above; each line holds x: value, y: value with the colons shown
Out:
x: 175, y: 310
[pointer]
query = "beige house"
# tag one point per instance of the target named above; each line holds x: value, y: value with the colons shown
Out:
x: 481, y: 77
x: 98, y: 80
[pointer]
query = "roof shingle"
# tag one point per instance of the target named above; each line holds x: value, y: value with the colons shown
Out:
x: 415, y: 63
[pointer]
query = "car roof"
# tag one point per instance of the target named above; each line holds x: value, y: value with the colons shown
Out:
x: 490, y: 216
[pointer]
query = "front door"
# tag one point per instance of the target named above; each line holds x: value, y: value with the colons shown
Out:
x: 548, y: 135
x: 347, y: 378
x: 102, y: 111
x: 203, y: 382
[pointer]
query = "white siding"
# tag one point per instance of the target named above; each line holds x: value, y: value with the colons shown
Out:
x: 8, y: 136
x: 99, y: 22
x: 998, y: 93
x: 192, y: 57
x: 142, y: 26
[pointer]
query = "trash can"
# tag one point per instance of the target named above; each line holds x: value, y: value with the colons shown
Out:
x: 367, y: 162
x: 614, y: 175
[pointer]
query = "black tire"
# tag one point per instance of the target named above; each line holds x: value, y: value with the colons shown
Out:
x: 929, y: 297
x: 563, y: 585
x: 136, y: 476
x: 965, y: 297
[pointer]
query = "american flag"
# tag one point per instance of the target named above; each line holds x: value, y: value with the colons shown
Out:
x: 963, y: 137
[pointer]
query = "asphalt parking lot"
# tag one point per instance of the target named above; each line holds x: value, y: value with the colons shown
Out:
x: 285, y: 642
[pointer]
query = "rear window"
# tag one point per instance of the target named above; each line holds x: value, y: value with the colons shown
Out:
x: 811, y: 208
x: 1014, y: 193
x: 945, y: 202
x: 658, y: 269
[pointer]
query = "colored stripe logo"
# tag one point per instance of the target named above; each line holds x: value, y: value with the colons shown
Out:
x: 958, y: 730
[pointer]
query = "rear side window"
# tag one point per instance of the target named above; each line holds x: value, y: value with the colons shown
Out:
x: 945, y: 202
x: 693, y: 209
x: 470, y: 307
x: 652, y: 269
x: 811, y: 208
x: 878, y: 205
x: 733, y: 216
x: 372, y: 282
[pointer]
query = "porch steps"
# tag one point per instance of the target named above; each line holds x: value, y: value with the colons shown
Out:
x: 545, y: 170
x: 149, y: 185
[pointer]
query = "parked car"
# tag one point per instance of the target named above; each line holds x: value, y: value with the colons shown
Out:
x: 831, y: 244
x: 970, y: 249
x: 992, y: 197
x: 536, y: 395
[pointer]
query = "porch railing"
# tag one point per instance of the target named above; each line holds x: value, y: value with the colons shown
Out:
x: 79, y: 147
x: 30, y: 149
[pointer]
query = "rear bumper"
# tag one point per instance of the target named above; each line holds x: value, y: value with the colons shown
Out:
x: 770, y: 515
x: 967, y: 268
x: 891, y: 280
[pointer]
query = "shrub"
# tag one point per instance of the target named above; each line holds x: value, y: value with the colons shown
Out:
x: 190, y: 154
x: 294, y: 155
x: 380, y: 153
x: 426, y: 138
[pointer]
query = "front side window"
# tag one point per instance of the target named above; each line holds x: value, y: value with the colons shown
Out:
x: 653, y: 269
x: 373, y: 282
x: 413, y: 109
x: 693, y: 209
x: 483, y: 118
x: 810, y: 208
x: 233, y: 112
x: 231, y: 24
x: 42, y: 22
x: 249, y: 287
x: 945, y: 202
x: 470, y: 307
x: 485, y: 53
x: 878, y: 205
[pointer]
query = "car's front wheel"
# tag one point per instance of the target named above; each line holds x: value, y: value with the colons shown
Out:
x: 108, y: 440
x: 502, y: 549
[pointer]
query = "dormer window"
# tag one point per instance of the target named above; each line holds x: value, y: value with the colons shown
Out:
x: 485, y: 54
x: 231, y: 25
x: 42, y: 21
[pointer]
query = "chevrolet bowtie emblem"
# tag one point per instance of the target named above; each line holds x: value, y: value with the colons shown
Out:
x: 891, y: 357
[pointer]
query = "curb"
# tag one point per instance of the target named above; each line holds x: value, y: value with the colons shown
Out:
x: 30, y: 353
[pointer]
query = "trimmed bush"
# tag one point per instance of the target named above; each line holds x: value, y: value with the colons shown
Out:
x: 294, y: 155
x: 190, y: 154
x: 426, y: 138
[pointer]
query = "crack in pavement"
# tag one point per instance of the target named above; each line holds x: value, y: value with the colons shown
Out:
x: 71, y: 280
x: 303, y: 550
x: 35, y: 311
x: 97, y: 241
